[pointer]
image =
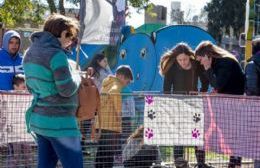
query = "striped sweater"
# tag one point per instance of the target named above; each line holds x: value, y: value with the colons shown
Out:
x: 54, y: 86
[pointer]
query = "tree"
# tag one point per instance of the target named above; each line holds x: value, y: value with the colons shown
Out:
x: 139, y: 4
x: 13, y: 12
x: 225, y: 14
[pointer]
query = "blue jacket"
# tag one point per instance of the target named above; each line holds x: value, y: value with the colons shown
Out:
x: 9, y: 65
x: 253, y: 76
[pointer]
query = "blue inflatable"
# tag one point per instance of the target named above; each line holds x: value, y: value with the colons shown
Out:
x: 143, y: 52
x: 167, y: 37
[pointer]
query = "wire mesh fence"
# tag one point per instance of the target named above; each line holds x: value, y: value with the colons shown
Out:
x: 148, y: 130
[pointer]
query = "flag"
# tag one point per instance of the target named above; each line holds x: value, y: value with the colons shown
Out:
x: 101, y: 21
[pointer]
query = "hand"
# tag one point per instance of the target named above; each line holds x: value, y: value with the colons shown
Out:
x: 98, y: 135
x: 90, y: 71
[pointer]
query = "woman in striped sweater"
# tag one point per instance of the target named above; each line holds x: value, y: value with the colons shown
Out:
x: 54, y: 88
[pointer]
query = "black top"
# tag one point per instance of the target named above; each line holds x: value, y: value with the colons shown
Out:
x: 226, y: 76
x: 178, y: 80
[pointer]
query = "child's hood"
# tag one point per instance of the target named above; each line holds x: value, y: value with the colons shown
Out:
x: 111, y: 84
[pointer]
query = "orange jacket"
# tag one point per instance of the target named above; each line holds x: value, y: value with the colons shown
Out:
x: 89, y: 100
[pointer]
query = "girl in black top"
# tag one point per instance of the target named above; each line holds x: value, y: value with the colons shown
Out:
x: 181, y: 74
x: 222, y: 69
x: 181, y: 71
x: 224, y: 73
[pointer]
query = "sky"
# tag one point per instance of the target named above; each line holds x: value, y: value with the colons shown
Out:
x: 137, y: 20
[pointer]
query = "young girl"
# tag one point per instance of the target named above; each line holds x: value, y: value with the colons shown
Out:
x: 136, y: 154
x: 101, y: 69
x: 181, y: 71
x: 181, y: 74
x: 223, y: 70
x: 224, y: 73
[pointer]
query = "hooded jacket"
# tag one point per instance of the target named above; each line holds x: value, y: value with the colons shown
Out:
x: 54, y: 85
x: 252, y: 72
x: 9, y: 65
x: 110, y: 117
x: 226, y: 76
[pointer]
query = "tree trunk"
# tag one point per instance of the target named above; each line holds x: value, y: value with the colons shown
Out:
x: 61, y: 7
x: 52, y: 6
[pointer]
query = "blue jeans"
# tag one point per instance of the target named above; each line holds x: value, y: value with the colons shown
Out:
x: 66, y: 149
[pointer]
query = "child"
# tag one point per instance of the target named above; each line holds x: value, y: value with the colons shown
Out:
x: 136, y: 154
x: 19, y: 82
x: 110, y: 117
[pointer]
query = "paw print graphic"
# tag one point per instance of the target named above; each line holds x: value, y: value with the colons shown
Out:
x: 151, y: 114
x: 149, y: 133
x: 149, y: 99
x: 195, y: 133
x: 196, y: 117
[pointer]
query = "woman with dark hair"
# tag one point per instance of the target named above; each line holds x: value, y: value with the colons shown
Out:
x: 222, y: 68
x: 100, y: 68
x: 224, y: 74
x: 181, y: 71
x: 181, y: 75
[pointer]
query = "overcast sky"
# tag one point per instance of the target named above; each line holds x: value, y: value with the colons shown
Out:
x: 137, y: 20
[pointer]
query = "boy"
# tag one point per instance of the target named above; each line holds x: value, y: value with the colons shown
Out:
x: 19, y: 82
x: 10, y: 59
x: 110, y: 118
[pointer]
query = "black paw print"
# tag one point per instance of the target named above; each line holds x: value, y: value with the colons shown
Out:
x: 151, y: 114
x: 196, y: 118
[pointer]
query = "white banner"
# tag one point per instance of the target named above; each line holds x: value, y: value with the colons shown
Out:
x: 172, y: 121
x: 12, y: 118
x: 101, y: 21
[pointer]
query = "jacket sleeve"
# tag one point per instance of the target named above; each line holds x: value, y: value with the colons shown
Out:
x: 168, y: 82
x: 66, y: 81
x: 252, y: 79
x: 203, y: 79
x: 211, y: 77
x: 117, y: 101
x: 222, y: 72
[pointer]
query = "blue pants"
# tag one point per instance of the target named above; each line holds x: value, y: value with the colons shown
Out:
x: 66, y: 149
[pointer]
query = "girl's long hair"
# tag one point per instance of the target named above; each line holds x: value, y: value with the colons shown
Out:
x: 94, y: 63
x: 206, y: 48
x: 169, y: 58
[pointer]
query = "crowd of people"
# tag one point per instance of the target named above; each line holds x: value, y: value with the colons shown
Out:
x: 46, y: 73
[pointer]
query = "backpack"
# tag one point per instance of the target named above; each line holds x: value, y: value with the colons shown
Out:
x: 89, y: 103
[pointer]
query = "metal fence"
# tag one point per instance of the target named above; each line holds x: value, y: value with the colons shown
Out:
x: 144, y: 130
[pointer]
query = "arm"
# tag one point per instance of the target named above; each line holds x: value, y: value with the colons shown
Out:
x: 203, y: 79
x: 117, y: 101
x: 168, y: 82
x: 223, y: 72
x: 67, y: 83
